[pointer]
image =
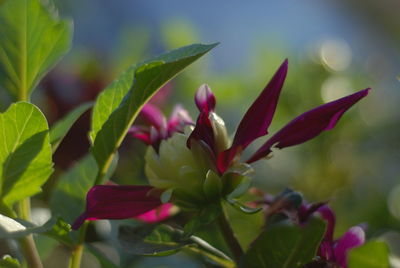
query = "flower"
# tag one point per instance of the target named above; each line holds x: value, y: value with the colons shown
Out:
x: 194, y: 168
x: 335, y: 251
x: 258, y: 118
x: 160, y: 128
x: 332, y: 252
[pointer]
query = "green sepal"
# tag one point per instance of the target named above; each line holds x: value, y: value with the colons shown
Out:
x: 166, y: 195
x: 212, y: 185
x: 242, y: 207
x: 204, y: 217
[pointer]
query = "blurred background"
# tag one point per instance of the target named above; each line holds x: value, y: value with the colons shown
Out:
x: 334, y: 48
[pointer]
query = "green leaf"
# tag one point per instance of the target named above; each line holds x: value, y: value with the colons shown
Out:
x: 69, y: 197
x: 25, y: 157
x: 285, y: 246
x: 54, y: 228
x: 119, y: 104
x: 373, y: 254
x: 33, y: 39
x: 9, y: 262
x: 151, y: 240
x: 61, y: 127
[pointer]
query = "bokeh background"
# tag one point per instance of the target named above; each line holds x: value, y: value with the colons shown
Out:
x: 334, y: 48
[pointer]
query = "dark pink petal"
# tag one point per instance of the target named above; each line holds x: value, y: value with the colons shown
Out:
x: 158, y: 214
x: 305, y: 211
x: 179, y: 119
x: 205, y: 99
x: 153, y: 116
x: 203, y: 131
x: 140, y: 133
x: 309, y: 124
x: 117, y: 202
x: 329, y: 216
x: 258, y: 117
x: 326, y: 250
x: 354, y: 237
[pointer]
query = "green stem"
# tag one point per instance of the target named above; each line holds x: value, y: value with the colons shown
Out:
x: 221, y: 261
x: 76, y: 256
x: 27, y: 243
x: 229, y: 236
x: 29, y: 250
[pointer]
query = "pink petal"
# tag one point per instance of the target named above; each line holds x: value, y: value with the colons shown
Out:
x: 329, y: 216
x: 153, y: 116
x: 205, y: 99
x: 309, y: 124
x: 354, y: 237
x: 140, y: 133
x: 258, y: 117
x: 117, y: 202
x: 158, y: 214
x: 178, y: 120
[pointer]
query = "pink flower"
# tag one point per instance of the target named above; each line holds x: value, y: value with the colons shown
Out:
x: 159, y: 127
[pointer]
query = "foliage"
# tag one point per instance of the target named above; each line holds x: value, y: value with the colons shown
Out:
x: 193, y: 178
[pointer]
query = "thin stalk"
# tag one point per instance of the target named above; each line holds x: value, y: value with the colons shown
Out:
x: 229, y: 236
x: 76, y: 256
x: 27, y: 243
x: 221, y: 261
x: 29, y: 250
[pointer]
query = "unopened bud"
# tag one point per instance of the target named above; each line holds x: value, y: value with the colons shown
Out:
x: 222, y: 141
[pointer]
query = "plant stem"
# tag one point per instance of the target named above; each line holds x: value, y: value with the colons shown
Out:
x: 27, y: 243
x: 223, y: 262
x: 229, y: 236
x: 30, y: 252
x: 76, y: 256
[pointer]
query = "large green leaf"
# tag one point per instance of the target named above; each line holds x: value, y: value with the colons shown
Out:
x: 61, y: 127
x: 32, y: 40
x: 285, y: 246
x: 69, y: 197
x: 117, y: 106
x: 374, y: 254
x: 25, y: 156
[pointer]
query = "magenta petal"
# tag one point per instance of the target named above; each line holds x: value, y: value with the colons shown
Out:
x: 258, y: 117
x: 140, y: 133
x: 205, y: 99
x: 203, y: 131
x: 158, y: 214
x: 178, y: 120
x: 354, y: 237
x: 153, y: 116
x: 117, y: 202
x: 309, y: 124
x: 329, y: 216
